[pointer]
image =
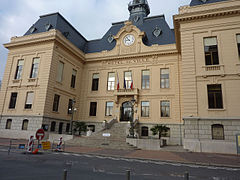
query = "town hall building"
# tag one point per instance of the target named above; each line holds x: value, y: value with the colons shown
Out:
x: 141, y: 72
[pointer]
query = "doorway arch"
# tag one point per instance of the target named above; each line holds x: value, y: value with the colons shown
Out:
x: 126, y: 111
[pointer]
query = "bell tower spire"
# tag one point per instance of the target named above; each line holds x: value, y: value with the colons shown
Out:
x: 138, y: 10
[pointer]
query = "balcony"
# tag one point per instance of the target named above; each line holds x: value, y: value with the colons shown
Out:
x: 126, y: 92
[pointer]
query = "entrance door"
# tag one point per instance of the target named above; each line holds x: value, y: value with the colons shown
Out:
x: 60, y: 128
x: 126, y: 111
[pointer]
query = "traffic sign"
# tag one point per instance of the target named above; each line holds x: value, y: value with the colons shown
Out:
x: 40, y: 134
x: 46, y: 145
x: 106, y: 134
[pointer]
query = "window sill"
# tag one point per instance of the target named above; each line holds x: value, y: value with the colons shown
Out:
x: 165, y: 118
x: 55, y: 112
x: 217, y: 109
x: 17, y: 80
x: 32, y: 79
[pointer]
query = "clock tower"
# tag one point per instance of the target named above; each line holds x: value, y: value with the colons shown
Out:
x: 139, y: 9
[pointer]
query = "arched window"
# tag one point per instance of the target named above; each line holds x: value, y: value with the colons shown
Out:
x: 217, y: 132
x: 8, y: 124
x: 144, y: 131
x: 25, y: 125
x: 53, y: 125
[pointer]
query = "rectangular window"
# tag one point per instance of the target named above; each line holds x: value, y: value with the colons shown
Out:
x: 93, y: 109
x: 215, y: 100
x: 70, y: 106
x: 8, y: 124
x: 13, y: 100
x: 68, y: 127
x: 127, y: 79
x: 73, y: 80
x: 211, y: 51
x: 19, y: 69
x: 95, y: 81
x: 238, y: 44
x: 109, y: 109
x: 56, y: 102
x: 164, y: 78
x: 60, y: 71
x: 25, y: 125
x: 165, y: 109
x: 145, y: 79
x: 29, y: 100
x: 111, y: 81
x: 145, y: 109
x: 35, y: 66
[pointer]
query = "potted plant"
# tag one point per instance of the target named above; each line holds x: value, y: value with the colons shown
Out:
x: 80, y: 127
x: 160, y: 130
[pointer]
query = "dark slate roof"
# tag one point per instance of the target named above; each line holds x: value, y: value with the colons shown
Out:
x: 199, y: 2
x: 148, y: 26
x: 58, y: 22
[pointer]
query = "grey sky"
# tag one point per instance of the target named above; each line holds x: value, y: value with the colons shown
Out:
x: 92, y: 18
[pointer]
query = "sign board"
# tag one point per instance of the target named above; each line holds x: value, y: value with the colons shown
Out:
x: 46, y: 145
x: 21, y: 146
x: 40, y: 134
x: 106, y: 134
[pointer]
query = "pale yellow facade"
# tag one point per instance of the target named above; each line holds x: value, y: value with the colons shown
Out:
x: 190, y: 118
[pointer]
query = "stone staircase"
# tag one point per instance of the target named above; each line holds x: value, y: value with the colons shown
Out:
x: 117, y: 139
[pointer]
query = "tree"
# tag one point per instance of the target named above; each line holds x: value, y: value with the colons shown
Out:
x: 161, y: 130
x: 80, y: 127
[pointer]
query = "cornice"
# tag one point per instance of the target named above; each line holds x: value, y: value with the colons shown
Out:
x: 205, y: 14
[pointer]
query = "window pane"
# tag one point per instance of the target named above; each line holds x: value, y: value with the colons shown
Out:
x: 13, y: 100
x: 29, y: 100
x: 60, y: 71
x: 165, y: 109
x: 145, y: 109
x: 8, y: 124
x: 93, y: 108
x: 238, y: 38
x: 111, y: 81
x: 19, y: 69
x: 211, y: 41
x: 217, y: 132
x: 215, y: 96
x: 25, y: 125
x: 56, y: 102
x: 109, y: 108
x: 95, y: 81
x: 145, y: 79
x: 164, y: 78
x: 128, y: 76
x: 73, y: 80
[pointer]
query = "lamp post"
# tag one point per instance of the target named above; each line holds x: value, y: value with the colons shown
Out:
x: 131, y: 130
x: 72, y: 109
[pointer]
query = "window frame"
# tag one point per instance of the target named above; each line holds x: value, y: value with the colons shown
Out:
x: 214, y: 136
x: 95, y: 82
x: 109, y: 109
x: 93, y: 109
x: 9, y: 121
x: 56, y: 103
x: 144, y: 129
x: 60, y: 72
x: 53, y: 126
x: 112, y: 83
x: 166, y: 81
x: 164, y: 109
x: 238, y: 44
x: 35, y: 68
x: 73, y: 78
x: 28, y: 105
x: 25, y: 127
x: 211, y: 50
x: 214, y: 104
x: 145, y: 110
x: 127, y: 83
x: 19, y: 69
x: 13, y: 101
x: 146, y: 82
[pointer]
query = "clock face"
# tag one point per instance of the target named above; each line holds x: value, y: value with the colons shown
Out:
x: 129, y: 40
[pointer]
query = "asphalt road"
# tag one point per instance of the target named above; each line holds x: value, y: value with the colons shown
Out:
x: 18, y: 166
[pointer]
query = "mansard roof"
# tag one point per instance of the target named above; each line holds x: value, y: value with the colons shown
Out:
x: 57, y: 21
x: 201, y: 2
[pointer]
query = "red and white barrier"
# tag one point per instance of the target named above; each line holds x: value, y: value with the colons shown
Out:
x: 30, y: 144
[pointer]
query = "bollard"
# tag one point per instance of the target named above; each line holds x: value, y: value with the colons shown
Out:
x: 186, y: 176
x: 65, y: 174
x: 128, y: 174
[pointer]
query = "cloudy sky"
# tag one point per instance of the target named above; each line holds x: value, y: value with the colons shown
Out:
x: 92, y: 18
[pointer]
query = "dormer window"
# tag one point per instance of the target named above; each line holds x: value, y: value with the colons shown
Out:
x: 33, y: 29
x: 110, y: 38
x: 157, y: 32
x: 48, y: 27
x: 66, y: 34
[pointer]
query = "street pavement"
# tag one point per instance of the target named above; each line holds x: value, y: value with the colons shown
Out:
x: 207, y: 159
